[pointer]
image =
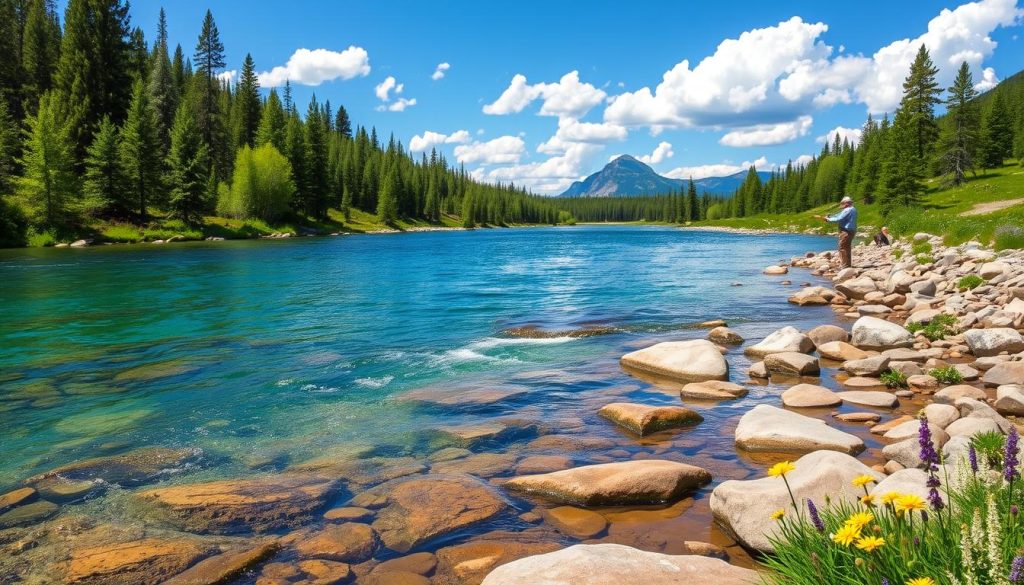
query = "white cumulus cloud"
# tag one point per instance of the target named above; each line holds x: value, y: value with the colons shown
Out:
x: 428, y: 140
x: 440, y: 70
x: 398, y: 105
x: 722, y: 169
x: 988, y: 80
x: 568, y: 98
x: 501, y: 150
x: 661, y: 152
x: 228, y: 76
x: 768, y: 134
x: 850, y: 134
x: 313, y: 67
x: 383, y: 89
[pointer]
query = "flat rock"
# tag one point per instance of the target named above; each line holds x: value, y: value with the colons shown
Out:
x: 323, y: 572
x: 826, y: 333
x: 696, y: 360
x: 17, y: 497
x: 792, y: 363
x: 767, y: 428
x: 348, y: 514
x: 643, y: 419
x: 575, y: 521
x: 1010, y: 399
x: 810, y: 396
x: 989, y: 342
x: 744, y: 508
x: 787, y: 339
x: 878, y: 334
x: 724, y: 335
x: 263, y: 504
x: 713, y: 390
x: 28, y: 514
x: 922, y: 382
x: 127, y: 470
x: 858, y: 417
x: 1004, y: 373
x: 912, y: 428
x: 350, y: 542
x: 144, y: 562
x: 470, y: 562
x: 970, y: 426
x: 615, y: 564
x: 421, y: 508
x: 841, y: 351
x: 775, y: 270
x: 876, y: 399
x: 862, y: 382
x: 941, y: 414
x: 869, y: 366
x: 224, y: 567
x: 648, y: 481
x: 951, y: 394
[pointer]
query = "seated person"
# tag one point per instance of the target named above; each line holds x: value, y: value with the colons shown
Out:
x: 882, y: 237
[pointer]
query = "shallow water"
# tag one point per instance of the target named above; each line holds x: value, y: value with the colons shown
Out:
x: 268, y: 353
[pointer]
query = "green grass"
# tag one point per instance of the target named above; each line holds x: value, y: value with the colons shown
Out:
x: 947, y: 375
x: 969, y: 282
x: 938, y: 328
x: 894, y: 379
x: 41, y: 240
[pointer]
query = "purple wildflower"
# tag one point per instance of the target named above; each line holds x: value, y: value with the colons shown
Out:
x: 917, y: 541
x: 885, y: 581
x: 1010, y: 472
x: 924, y: 513
x: 1016, y: 569
x: 815, y: 517
x: 1014, y: 510
x: 972, y: 456
x: 931, y: 460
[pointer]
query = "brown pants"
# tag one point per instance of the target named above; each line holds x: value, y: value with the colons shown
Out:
x: 846, y: 248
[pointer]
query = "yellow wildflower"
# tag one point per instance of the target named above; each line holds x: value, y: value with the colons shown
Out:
x: 778, y: 514
x: 870, y: 543
x: 860, y: 519
x: 863, y: 480
x: 846, y: 535
x: 781, y: 469
x: 910, y: 503
x: 868, y: 501
x: 921, y: 581
x: 890, y: 497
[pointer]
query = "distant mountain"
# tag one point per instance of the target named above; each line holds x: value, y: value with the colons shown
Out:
x: 626, y: 176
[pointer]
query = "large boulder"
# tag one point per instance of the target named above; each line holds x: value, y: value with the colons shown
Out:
x: 1010, y: 399
x: 688, y: 361
x: 264, y: 504
x: 744, y: 508
x: 713, y: 390
x: 870, y: 366
x: 1004, y: 373
x: 986, y: 342
x: 810, y: 396
x: 767, y: 428
x: 145, y: 562
x: 857, y: 288
x: 841, y: 351
x: 787, y: 339
x: 616, y: 564
x: 826, y: 333
x: 792, y: 363
x: 875, y: 333
x: 648, y: 481
x: 644, y: 420
x: 951, y: 394
x: 905, y: 481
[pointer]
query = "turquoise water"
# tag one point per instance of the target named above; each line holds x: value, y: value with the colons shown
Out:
x: 265, y: 353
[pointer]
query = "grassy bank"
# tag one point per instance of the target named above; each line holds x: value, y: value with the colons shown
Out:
x: 959, y: 214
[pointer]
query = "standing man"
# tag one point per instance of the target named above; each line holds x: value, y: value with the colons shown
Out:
x: 847, y: 220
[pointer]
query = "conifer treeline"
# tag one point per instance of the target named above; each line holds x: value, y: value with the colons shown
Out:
x: 97, y: 123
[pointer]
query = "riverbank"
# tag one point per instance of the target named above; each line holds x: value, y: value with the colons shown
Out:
x: 356, y: 508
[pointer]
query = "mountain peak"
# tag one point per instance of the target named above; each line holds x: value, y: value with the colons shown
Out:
x: 625, y: 175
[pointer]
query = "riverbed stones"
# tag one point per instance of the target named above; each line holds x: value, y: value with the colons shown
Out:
x: 575, y: 521
x: 970, y: 426
x: 911, y: 429
x: 616, y: 564
x: 951, y: 394
x: 421, y: 508
x: 971, y: 408
x: 875, y: 399
x: 1004, y: 373
x: 857, y: 288
x: 648, y: 481
x: 862, y: 382
x: 768, y: 428
x: 28, y: 514
x: 1010, y: 400
x: 350, y: 542
x: 826, y: 333
x: 127, y: 469
x: 224, y: 567
x: 263, y: 504
x: 744, y: 507
x: 17, y: 497
x: 869, y: 366
x: 922, y: 383
x: 725, y: 335
x: 841, y: 351
x: 792, y: 363
x: 941, y: 414
x: 644, y: 420
x: 905, y: 481
x: 988, y: 342
x: 810, y: 396
x: 695, y: 360
x: 787, y: 339
x: 713, y: 390
x: 775, y: 270
x: 145, y: 562
x: 878, y: 334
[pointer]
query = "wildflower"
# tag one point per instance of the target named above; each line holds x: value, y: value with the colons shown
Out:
x: 778, y: 514
x: 890, y: 497
x: 846, y: 535
x: 860, y: 519
x: 870, y: 543
x: 781, y: 469
x: 815, y: 517
x: 868, y: 501
x: 921, y: 581
x: 1010, y: 458
x: 909, y: 503
x: 885, y: 581
x: 1014, y: 510
x: 972, y: 456
x: 931, y: 460
x: 1017, y: 569
x: 862, y: 480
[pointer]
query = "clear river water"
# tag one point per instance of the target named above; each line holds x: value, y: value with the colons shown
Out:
x: 265, y: 354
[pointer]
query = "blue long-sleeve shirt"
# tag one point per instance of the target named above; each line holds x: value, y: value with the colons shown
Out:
x: 847, y: 219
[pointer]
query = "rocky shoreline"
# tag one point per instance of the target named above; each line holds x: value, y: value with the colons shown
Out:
x: 357, y: 517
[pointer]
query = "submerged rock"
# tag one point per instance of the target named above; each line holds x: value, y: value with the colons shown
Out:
x: 263, y: 504
x: 616, y: 564
x: 792, y: 363
x: 643, y: 419
x: 145, y: 562
x: 27, y: 514
x: 127, y: 470
x: 712, y: 390
x: 810, y: 396
x: 468, y: 563
x: 223, y: 567
x: 688, y: 361
x: 649, y: 481
x: 350, y: 542
x: 767, y: 428
x: 534, y: 332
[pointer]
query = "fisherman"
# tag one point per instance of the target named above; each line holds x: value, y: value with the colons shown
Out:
x: 847, y: 221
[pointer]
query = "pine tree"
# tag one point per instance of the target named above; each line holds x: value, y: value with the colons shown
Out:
x: 140, y: 150
x: 467, y: 211
x: 997, y: 140
x: 692, y: 205
x: 138, y: 55
x: 163, y: 90
x: 94, y: 74
x: 11, y: 72
x: 40, y: 51
x: 900, y: 182
x: 187, y: 165
x: 273, y: 128
x: 920, y: 96
x: 342, y: 124
x: 209, y: 60
x: 49, y: 186
x: 179, y: 72
x: 432, y: 204
x: 105, y: 186
x: 247, y: 104
x: 387, y: 203
x: 10, y: 146
x: 295, y: 151
x: 316, y: 184
x: 959, y: 140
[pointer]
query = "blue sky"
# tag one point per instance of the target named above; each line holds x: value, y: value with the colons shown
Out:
x: 544, y: 93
